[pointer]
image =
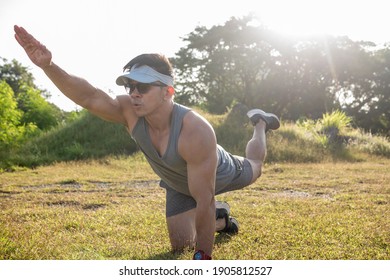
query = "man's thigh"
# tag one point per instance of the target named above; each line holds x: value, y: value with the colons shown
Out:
x: 246, y: 174
x: 181, y: 229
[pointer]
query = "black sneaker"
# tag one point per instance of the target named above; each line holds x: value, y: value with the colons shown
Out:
x: 231, y: 227
x: 234, y: 226
x: 222, y: 210
x: 271, y: 120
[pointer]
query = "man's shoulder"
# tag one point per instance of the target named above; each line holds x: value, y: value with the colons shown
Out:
x: 197, y: 135
x: 194, y: 122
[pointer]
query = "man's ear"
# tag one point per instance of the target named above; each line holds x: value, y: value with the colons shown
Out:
x: 171, y: 90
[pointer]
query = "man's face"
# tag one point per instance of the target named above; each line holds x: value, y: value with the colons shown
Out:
x: 145, y: 98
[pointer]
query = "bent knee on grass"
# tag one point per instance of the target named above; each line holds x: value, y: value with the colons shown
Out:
x: 181, y: 229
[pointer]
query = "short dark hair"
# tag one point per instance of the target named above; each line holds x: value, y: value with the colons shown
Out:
x: 158, y: 62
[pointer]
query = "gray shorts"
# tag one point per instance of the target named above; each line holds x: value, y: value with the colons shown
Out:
x: 177, y: 203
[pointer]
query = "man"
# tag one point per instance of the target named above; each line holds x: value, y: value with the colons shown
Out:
x: 179, y: 144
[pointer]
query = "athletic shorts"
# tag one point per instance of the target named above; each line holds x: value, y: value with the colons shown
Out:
x: 177, y: 203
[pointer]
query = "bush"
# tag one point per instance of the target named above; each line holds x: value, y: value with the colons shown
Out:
x: 329, y: 138
x: 332, y: 124
x: 327, y: 131
x: 287, y: 144
x: 87, y: 137
x: 368, y: 143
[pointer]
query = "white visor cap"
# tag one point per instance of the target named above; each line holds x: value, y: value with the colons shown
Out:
x: 144, y: 74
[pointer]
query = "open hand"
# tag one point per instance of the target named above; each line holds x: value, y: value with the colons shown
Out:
x: 37, y: 52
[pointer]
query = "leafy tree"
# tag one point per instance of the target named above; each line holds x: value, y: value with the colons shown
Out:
x: 297, y: 84
x: 11, y: 130
x: 30, y: 99
x: 255, y: 66
x: 16, y: 75
x: 293, y: 77
x: 366, y: 94
x: 223, y: 64
x: 36, y: 109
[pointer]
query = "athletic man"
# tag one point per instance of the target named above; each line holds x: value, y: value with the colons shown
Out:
x: 179, y: 144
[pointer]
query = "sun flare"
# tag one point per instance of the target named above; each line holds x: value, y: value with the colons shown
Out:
x: 356, y: 19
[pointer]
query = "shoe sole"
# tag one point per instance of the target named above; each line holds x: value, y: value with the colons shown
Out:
x: 234, y: 228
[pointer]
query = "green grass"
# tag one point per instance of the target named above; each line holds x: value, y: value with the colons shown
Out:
x: 89, y: 196
x: 113, y: 209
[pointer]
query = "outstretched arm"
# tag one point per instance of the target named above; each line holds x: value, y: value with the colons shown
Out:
x: 75, y: 88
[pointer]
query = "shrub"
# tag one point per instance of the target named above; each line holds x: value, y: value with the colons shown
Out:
x: 87, y: 137
x: 327, y: 131
x: 332, y: 124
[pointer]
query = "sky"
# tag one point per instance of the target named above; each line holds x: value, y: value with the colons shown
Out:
x: 94, y: 39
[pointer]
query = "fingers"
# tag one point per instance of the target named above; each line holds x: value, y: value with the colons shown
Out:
x: 17, y: 32
x: 26, y: 40
x: 20, y: 31
x: 21, y: 35
x: 37, y: 52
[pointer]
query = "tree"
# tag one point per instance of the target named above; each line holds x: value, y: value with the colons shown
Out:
x: 16, y: 75
x: 36, y: 109
x: 223, y: 64
x: 366, y: 91
x: 30, y: 99
x: 298, y: 81
x: 11, y: 130
x: 293, y: 77
x: 244, y: 62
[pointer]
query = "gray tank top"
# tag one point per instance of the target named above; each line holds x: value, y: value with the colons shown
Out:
x: 171, y: 167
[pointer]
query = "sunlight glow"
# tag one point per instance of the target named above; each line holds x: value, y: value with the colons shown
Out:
x: 355, y: 19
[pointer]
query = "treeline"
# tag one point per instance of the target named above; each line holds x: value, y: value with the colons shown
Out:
x: 243, y: 61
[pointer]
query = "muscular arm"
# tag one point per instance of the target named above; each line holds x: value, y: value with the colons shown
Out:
x: 198, y: 147
x: 84, y: 94
x: 75, y: 88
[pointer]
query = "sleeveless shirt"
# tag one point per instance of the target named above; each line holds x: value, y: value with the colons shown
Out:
x: 171, y: 167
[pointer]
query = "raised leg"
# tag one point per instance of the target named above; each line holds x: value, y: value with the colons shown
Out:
x: 256, y: 149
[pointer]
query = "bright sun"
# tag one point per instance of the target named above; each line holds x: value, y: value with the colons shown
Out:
x: 359, y: 19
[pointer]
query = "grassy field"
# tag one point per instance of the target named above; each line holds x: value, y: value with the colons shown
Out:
x: 113, y: 209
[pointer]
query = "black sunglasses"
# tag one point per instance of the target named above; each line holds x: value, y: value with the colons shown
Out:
x: 141, y: 87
